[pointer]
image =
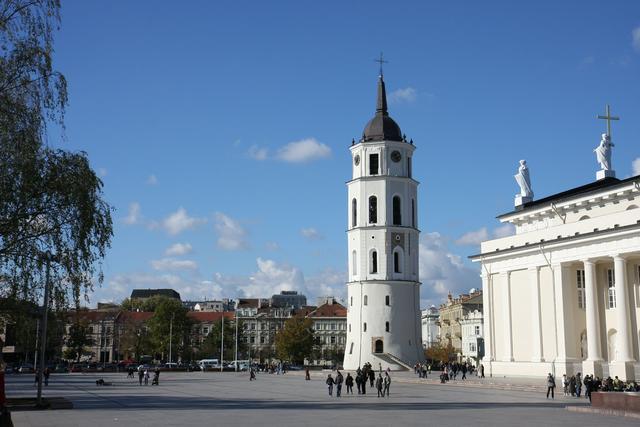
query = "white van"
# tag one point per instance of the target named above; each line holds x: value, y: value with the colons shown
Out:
x: 243, y: 365
x: 208, y: 364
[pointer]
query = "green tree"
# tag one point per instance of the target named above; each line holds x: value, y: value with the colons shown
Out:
x: 77, y: 339
x: 142, y: 304
x: 211, y: 344
x: 440, y: 353
x: 295, y: 341
x: 50, y: 200
x: 135, y: 340
x: 170, y: 316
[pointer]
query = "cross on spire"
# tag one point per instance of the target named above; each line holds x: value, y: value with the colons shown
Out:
x: 381, y: 61
x: 608, y: 117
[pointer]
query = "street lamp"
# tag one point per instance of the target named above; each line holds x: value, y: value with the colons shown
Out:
x: 170, y: 337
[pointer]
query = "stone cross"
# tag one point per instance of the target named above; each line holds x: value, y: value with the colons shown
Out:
x: 608, y: 117
x: 381, y: 61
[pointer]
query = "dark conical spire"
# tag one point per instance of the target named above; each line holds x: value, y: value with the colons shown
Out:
x: 381, y: 106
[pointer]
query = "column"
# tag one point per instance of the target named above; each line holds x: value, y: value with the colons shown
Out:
x: 536, y: 324
x: 563, y: 317
x: 487, y: 316
x: 506, y: 305
x: 594, y: 350
x: 622, y: 309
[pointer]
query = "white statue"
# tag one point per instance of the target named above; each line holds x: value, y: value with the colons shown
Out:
x: 603, y: 152
x: 522, y: 178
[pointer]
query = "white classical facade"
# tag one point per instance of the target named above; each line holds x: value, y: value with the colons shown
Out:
x: 430, y: 328
x: 472, y: 335
x: 562, y: 295
x: 383, y: 318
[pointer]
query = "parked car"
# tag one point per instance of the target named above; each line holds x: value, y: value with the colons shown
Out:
x: 26, y: 368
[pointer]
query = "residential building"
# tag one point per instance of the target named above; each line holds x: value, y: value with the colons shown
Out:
x: 472, y: 337
x: 430, y: 327
x: 452, y: 313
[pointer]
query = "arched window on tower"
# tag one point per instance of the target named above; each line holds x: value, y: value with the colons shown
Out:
x: 354, y: 263
x: 397, y: 211
x: 386, y: 326
x: 354, y: 212
x: 413, y: 213
x: 397, y: 261
x: 365, y: 300
x: 374, y: 262
x: 373, y: 164
x: 364, y: 327
x: 373, y: 209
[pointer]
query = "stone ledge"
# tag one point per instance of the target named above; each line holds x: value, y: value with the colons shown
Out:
x: 602, y: 411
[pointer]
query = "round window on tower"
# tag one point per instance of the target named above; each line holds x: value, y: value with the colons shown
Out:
x: 396, y: 156
x: 356, y: 160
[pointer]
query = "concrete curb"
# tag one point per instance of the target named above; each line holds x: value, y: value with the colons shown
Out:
x: 592, y: 410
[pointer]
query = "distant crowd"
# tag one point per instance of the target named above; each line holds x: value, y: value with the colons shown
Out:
x: 364, y: 375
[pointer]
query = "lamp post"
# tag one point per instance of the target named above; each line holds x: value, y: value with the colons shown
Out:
x: 236, y: 358
x: 170, y: 337
x: 222, y: 343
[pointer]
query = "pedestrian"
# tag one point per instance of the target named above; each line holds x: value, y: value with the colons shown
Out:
x: 146, y: 376
x: 47, y: 372
x: 307, y: 375
x: 140, y: 375
x: 330, y: 382
x: 372, y: 377
x: 35, y: 382
x: 156, y: 377
x: 565, y: 384
x: 252, y: 374
x: 551, y: 385
x: 349, y: 383
x: 387, y: 384
x: 359, y: 381
x: 578, y: 384
x: 379, y: 386
x: 339, y: 381
x: 588, y: 384
x: 464, y: 372
x: 481, y: 370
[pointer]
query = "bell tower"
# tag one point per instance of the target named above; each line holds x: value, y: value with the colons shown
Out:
x: 383, y: 302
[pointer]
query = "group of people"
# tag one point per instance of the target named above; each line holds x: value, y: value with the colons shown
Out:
x: 363, y: 375
x: 572, y: 386
x: 45, y: 376
x: 144, y: 373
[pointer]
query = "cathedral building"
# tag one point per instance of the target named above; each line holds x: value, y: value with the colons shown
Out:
x: 562, y: 295
x: 383, y: 302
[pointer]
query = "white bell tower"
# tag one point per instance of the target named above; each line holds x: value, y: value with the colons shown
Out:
x: 383, y: 318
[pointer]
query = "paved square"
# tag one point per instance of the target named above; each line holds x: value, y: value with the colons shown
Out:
x: 231, y: 400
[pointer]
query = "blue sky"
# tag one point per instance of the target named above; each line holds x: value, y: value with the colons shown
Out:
x: 221, y: 129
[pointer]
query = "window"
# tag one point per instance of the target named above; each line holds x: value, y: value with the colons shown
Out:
x: 351, y: 301
x: 386, y: 326
x: 373, y: 164
x: 397, y: 211
x: 386, y: 300
x: 472, y: 347
x: 408, y: 167
x: 354, y: 213
x: 205, y: 331
x: 373, y: 209
x: 413, y: 213
x: 354, y: 262
x: 351, y: 349
x: 611, y: 283
x: 477, y: 330
x: 261, y: 340
x: 349, y: 327
x: 333, y: 326
x: 396, y: 262
x: 374, y: 262
x: 580, y: 285
x: 366, y: 300
x: 252, y: 340
x: 333, y: 340
x: 364, y: 327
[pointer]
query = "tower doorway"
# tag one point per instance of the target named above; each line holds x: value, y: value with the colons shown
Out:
x: 378, y: 346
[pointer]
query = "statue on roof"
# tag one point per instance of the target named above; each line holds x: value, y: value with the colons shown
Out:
x: 603, y: 152
x: 523, y: 180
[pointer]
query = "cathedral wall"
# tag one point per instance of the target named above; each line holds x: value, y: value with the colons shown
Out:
x: 547, y: 304
x: 497, y: 297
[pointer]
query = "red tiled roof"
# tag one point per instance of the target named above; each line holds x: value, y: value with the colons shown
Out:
x: 135, y: 316
x: 329, y: 310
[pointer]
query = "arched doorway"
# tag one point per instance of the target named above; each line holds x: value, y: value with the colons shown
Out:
x: 379, y: 346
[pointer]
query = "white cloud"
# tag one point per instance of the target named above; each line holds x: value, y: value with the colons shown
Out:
x: 635, y: 167
x: 258, y: 153
x: 231, y: 235
x: 473, y: 237
x: 635, y: 38
x: 119, y: 286
x: 170, y: 264
x: 152, y: 180
x: 407, y: 94
x: 442, y: 272
x: 303, y: 151
x: 178, y: 249
x: 134, y: 216
x: 311, y: 233
x: 504, y: 231
x: 178, y: 222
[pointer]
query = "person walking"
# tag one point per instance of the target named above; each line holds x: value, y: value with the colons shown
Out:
x: 252, y: 374
x: 146, y: 376
x: 349, y: 383
x: 551, y: 385
x: 379, y: 386
x: 140, y: 375
x: 330, y: 382
x: 156, y: 377
x: 387, y: 384
x: 47, y: 372
x: 578, y: 384
x: 464, y: 371
x: 481, y: 370
x: 372, y: 377
x: 339, y: 381
x: 307, y: 375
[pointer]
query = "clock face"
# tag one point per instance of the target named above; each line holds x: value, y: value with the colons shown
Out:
x: 396, y: 156
x: 356, y: 159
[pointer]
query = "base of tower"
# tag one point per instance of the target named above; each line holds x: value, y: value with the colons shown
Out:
x: 378, y: 361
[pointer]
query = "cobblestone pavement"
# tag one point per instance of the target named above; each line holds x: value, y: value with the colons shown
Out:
x: 231, y: 400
